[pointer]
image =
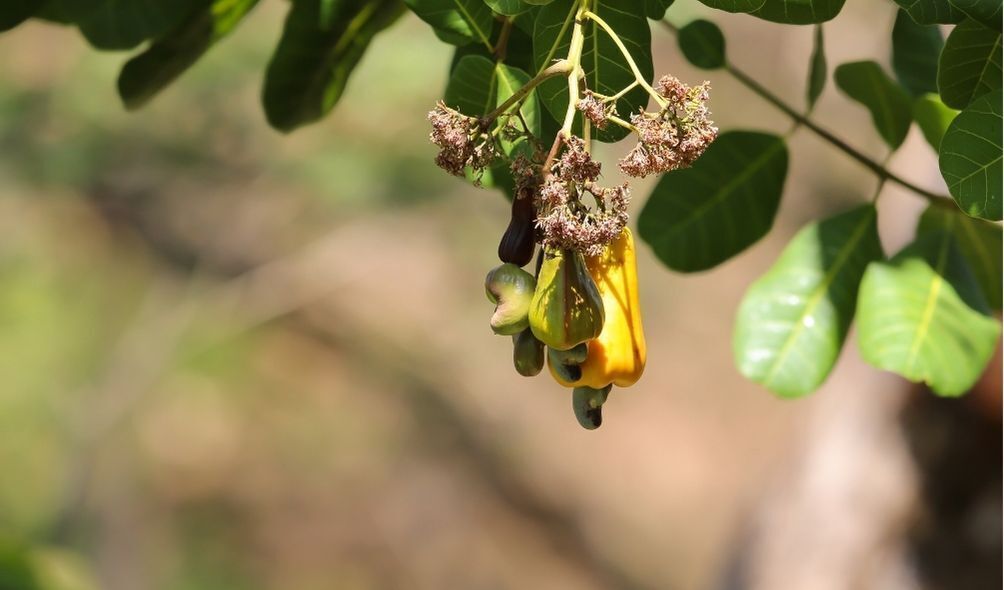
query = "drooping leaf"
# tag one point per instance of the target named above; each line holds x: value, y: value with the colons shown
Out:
x: 799, y: 12
x: 933, y: 118
x: 915, y: 52
x: 970, y: 157
x: 703, y: 44
x: 866, y: 83
x: 312, y: 64
x: 148, y: 73
x: 656, y: 9
x: 15, y: 12
x: 793, y: 321
x: 456, y: 21
x: 734, y: 5
x: 701, y: 216
x: 122, y: 24
x: 606, y: 70
x: 970, y: 64
x: 817, y: 68
x: 922, y: 315
x: 931, y: 12
x: 980, y: 244
x: 987, y: 12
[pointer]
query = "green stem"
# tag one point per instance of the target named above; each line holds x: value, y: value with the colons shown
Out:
x: 627, y: 57
x: 803, y: 120
x: 574, y: 58
x: 558, y: 68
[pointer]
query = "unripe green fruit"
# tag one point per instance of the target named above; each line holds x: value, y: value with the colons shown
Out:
x: 587, y: 403
x: 566, y: 309
x: 511, y: 289
x: 527, y: 354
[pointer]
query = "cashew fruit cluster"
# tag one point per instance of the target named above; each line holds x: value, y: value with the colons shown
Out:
x: 578, y: 314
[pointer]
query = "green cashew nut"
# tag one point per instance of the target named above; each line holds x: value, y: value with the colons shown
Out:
x: 587, y: 403
x: 511, y: 289
x: 527, y: 353
x: 566, y: 362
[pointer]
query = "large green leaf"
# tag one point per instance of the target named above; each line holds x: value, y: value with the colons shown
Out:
x: 122, y: 24
x: 793, y: 321
x: 817, y: 68
x: 987, y: 12
x: 167, y: 58
x: 700, y: 216
x: 970, y: 157
x: 508, y: 7
x: 734, y: 5
x: 15, y: 12
x: 316, y: 56
x: 970, y: 64
x: 915, y: 52
x: 605, y: 69
x: 930, y: 12
x: 979, y: 241
x: 799, y: 12
x: 922, y: 315
x: 456, y: 21
x: 703, y: 44
x: 933, y: 118
x: 865, y: 82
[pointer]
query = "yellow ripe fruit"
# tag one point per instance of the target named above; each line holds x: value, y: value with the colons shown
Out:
x: 617, y: 355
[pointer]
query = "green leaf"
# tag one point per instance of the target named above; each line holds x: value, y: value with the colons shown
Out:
x: 970, y: 157
x: 931, y: 12
x: 933, y: 118
x: 987, y: 12
x: 793, y: 320
x: 817, y: 68
x: 734, y: 5
x: 701, y: 216
x: 15, y: 12
x: 980, y: 244
x: 656, y: 9
x: 508, y: 7
x: 703, y: 44
x: 150, y: 72
x: 122, y: 24
x: 970, y: 64
x: 799, y: 12
x: 866, y: 83
x: 456, y: 21
x: 915, y: 52
x: 511, y: 79
x: 312, y: 64
x: 921, y: 315
x: 605, y: 69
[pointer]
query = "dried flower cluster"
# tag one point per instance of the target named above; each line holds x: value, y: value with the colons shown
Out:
x: 462, y: 141
x: 675, y: 136
x: 594, y: 109
x: 564, y: 221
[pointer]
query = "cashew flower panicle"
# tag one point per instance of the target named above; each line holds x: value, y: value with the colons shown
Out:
x: 674, y: 137
x: 463, y: 141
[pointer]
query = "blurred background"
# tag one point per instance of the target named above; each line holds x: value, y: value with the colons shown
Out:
x: 235, y: 359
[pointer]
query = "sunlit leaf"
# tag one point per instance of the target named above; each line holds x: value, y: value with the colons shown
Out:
x: 970, y: 157
x: 933, y: 118
x: 701, y: 216
x: 793, y: 321
x: 865, y: 82
x: 922, y: 315
x: 456, y: 21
